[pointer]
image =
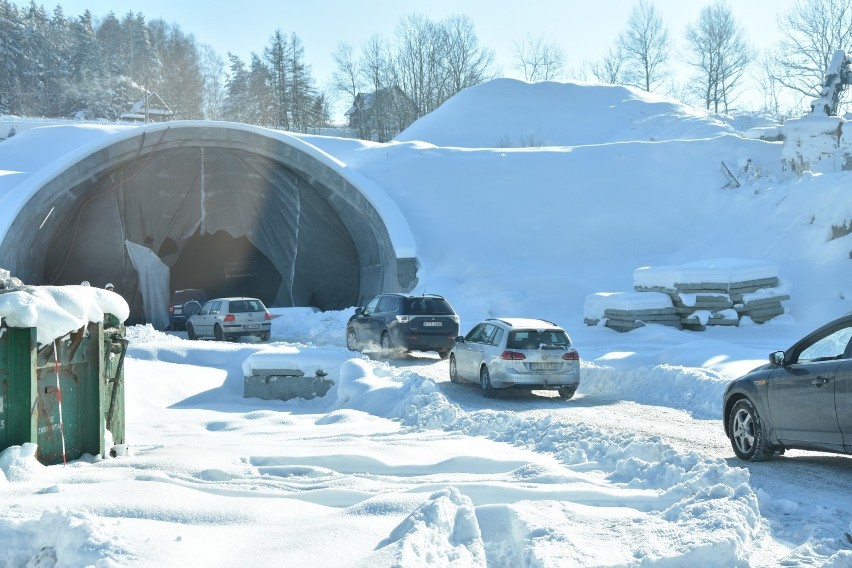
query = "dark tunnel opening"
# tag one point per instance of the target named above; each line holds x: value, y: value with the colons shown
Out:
x: 222, y: 266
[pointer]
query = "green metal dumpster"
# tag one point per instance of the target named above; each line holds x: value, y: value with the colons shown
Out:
x: 79, y: 377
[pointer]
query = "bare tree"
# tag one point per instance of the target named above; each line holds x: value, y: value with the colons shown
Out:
x: 608, y: 70
x: 213, y: 72
x: 645, y: 47
x: 420, y: 48
x: 467, y: 64
x: 720, y: 53
x: 346, y: 78
x: 539, y: 61
x: 812, y: 31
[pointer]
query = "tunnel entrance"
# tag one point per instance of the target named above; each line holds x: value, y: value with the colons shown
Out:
x: 222, y: 266
x: 228, y: 208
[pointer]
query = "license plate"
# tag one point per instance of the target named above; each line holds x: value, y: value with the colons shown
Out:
x: 433, y: 324
x: 544, y: 366
x: 178, y: 311
x: 252, y: 326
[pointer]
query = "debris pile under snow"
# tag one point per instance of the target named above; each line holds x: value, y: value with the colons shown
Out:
x: 693, y: 296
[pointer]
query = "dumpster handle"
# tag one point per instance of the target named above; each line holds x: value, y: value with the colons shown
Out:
x: 124, y: 344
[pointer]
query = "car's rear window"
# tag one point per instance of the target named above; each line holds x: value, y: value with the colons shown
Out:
x: 535, y: 339
x: 430, y: 306
x: 245, y: 306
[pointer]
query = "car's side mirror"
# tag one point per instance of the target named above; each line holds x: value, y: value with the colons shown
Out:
x: 777, y: 358
x: 460, y: 339
x: 359, y: 311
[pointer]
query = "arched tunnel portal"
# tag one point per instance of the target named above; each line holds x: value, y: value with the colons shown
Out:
x: 231, y: 209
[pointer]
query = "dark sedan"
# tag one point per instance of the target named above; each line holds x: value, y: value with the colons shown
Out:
x: 801, y: 399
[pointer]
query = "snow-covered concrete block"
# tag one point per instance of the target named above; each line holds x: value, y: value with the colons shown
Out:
x: 285, y: 372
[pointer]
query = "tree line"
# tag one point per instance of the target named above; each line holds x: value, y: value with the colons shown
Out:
x: 717, y: 50
x: 57, y: 66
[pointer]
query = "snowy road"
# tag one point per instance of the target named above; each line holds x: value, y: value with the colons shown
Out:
x: 802, y: 494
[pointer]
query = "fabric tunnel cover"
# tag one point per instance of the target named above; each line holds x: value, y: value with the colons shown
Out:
x: 232, y: 211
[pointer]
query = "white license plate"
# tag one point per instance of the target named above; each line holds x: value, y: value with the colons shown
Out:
x: 433, y: 324
x: 252, y: 326
x: 544, y: 366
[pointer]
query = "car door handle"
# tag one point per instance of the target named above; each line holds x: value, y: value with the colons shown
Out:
x: 819, y: 381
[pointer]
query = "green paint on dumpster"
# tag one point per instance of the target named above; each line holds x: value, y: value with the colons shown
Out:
x: 82, y: 372
x: 17, y: 386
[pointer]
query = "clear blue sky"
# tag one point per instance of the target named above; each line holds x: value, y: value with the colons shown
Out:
x: 584, y: 29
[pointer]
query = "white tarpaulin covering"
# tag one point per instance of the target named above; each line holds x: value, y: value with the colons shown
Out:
x: 153, y: 283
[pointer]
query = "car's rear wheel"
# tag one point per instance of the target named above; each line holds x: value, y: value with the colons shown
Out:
x: 218, y: 333
x: 443, y: 354
x: 264, y: 336
x: 454, y: 372
x: 351, y: 339
x: 746, y: 431
x: 488, y: 391
x: 566, y: 393
x: 190, y: 332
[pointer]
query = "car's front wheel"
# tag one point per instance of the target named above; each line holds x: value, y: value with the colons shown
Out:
x: 387, y: 346
x: 190, y: 332
x: 746, y: 431
x: 488, y: 391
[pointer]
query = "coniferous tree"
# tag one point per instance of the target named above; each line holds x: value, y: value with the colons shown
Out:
x: 277, y: 57
x: 235, y: 107
x: 10, y: 36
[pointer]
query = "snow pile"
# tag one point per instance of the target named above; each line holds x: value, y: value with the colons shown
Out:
x: 443, y: 531
x: 520, y: 114
x: 309, y: 325
x: 57, y: 310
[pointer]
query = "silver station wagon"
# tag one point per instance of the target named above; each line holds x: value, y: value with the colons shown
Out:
x: 504, y: 353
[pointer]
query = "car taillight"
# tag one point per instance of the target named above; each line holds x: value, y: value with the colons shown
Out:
x: 266, y: 316
x: 230, y: 317
x: 571, y: 356
x: 171, y: 309
x: 402, y: 319
x: 512, y: 356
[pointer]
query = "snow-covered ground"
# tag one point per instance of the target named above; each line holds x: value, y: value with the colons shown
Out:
x: 396, y: 466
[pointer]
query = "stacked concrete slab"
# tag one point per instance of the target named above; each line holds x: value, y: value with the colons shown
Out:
x: 715, y: 292
x: 626, y: 311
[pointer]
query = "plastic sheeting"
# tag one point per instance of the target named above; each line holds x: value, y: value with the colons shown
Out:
x: 153, y: 283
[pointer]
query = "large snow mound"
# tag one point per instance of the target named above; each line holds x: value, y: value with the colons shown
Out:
x: 511, y: 113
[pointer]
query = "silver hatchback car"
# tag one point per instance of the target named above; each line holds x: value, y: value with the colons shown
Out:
x: 530, y: 354
x: 229, y: 319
